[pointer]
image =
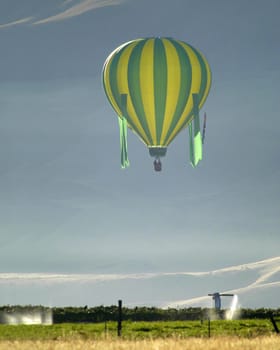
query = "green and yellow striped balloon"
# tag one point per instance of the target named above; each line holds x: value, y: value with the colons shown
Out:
x: 153, y: 85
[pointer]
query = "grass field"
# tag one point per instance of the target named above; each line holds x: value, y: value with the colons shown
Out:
x: 180, y: 335
x: 220, y: 343
x: 137, y: 330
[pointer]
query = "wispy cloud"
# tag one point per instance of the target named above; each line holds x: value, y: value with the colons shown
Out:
x: 266, y: 269
x: 74, y: 8
x: 62, y: 278
x: 266, y: 274
x: 17, y: 22
x: 67, y: 1
x: 204, y: 299
x: 79, y: 9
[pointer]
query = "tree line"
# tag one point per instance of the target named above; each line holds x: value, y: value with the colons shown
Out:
x: 111, y: 313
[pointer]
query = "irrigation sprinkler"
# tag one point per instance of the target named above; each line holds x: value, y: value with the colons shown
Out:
x: 218, y: 304
x: 217, y: 299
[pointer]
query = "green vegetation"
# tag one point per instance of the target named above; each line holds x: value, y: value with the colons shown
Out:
x: 137, y: 330
x: 138, y: 323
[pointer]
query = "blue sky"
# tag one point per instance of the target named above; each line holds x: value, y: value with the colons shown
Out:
x: 68, y: 208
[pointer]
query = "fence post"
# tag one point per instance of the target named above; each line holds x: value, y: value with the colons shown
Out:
x: 274, y: 324
x: 120, y: 318
x: 209, y: 328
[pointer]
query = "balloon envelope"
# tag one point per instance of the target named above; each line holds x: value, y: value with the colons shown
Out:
x: 158, y: 86
x: 159, y: 76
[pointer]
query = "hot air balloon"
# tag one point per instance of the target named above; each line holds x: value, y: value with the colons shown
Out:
x: 157, y: 86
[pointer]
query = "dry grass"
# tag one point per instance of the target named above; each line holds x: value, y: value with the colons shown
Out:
x: 221, y: 343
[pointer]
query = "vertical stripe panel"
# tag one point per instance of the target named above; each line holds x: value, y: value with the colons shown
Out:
x: 185, y: 91
x: 205, y: 77
x: 135, y: 88
x: 113, y: 82
x: 173, y: 86
x: 106, y: 77
x: 107, y: 87
x: 113, y: 79
x: 204, y: 87
x: 147, y: 86
x: 160, y: 83
x: 122, y: 84
x: 186, y: 115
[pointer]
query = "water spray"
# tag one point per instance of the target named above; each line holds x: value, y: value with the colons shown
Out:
x: 26, y: 315
x: 233, y: 308
x: 218, y: 304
